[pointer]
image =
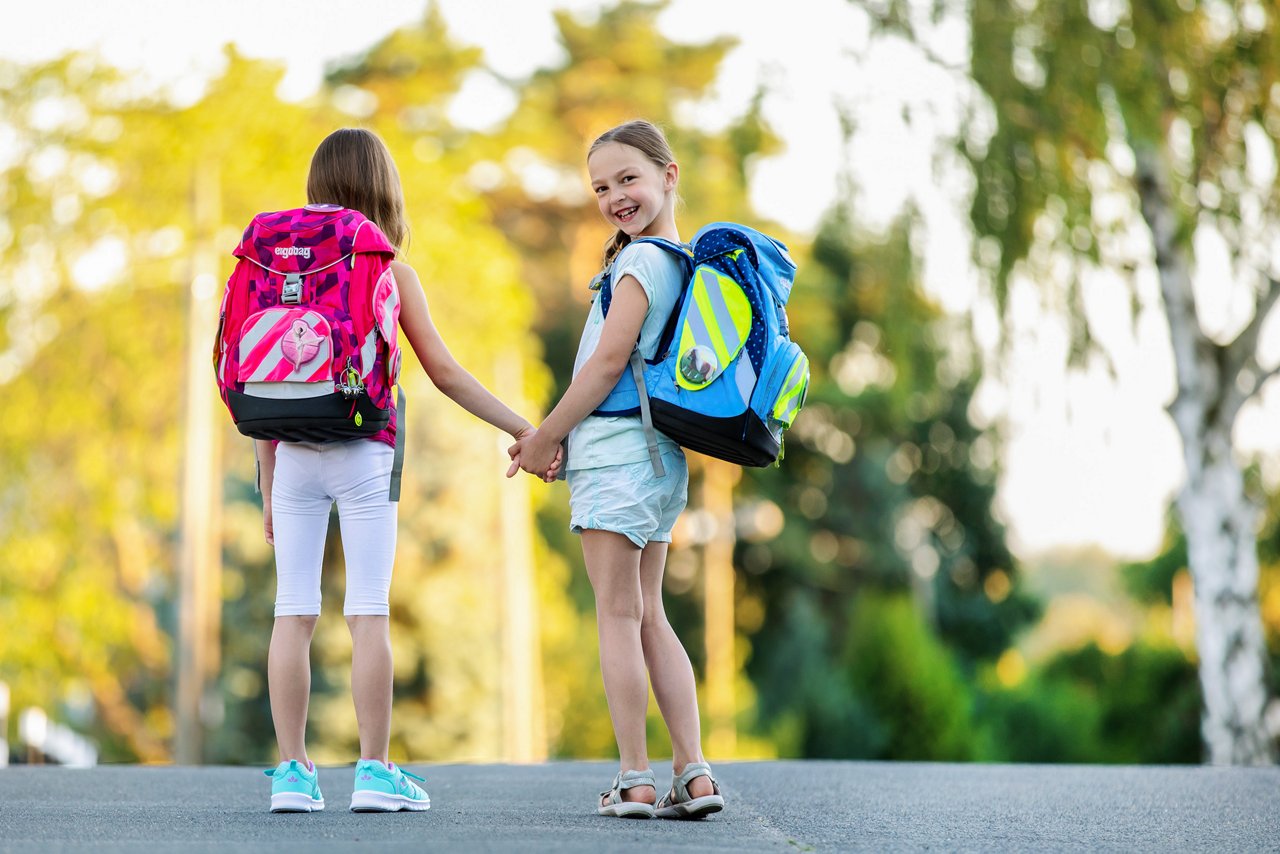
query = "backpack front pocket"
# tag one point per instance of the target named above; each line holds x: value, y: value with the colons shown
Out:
x: 286, y: 352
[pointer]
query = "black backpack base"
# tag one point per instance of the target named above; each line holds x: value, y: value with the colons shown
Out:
x: 742, y: 439
x: 330, y: 418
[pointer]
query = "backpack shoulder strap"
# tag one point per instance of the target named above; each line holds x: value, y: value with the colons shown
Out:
x: 397, y: 460
x: 684, y: 253
x: 369, y: 238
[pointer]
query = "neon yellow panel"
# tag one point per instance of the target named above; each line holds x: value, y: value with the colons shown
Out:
x: 714, y: 329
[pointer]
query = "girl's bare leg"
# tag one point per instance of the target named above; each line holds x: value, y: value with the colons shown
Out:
x: 289, y: 683
x: 371, y: 683
x: 613, y: 564
x: 670, y: 670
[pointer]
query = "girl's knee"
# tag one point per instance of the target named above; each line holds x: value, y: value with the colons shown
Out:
x: 298, y: 622
x: 358, y: 622
x: 628, y: 612
x: 654, y: 619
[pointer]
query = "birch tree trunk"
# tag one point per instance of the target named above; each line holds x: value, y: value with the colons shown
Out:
x: 1217, y: 517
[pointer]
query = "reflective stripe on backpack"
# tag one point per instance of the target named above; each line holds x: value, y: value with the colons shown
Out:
x: 714, y: 330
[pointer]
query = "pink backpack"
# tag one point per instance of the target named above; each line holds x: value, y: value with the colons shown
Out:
x: 306, y: 349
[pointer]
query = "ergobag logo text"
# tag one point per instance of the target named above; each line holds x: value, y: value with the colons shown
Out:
x: 726, y: 379
x: 306, y: 349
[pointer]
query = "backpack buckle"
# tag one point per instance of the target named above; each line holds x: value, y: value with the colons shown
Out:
x: 292, y: 292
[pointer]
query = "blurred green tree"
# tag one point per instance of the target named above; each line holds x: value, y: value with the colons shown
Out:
x: 898, y: 666
x: 1137, y: 706
x: 888, y: 487
x: 1122, y: 137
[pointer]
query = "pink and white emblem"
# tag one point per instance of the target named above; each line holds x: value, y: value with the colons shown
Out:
x: 301, y: 344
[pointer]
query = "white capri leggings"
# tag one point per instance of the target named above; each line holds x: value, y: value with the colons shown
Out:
x: 308, y: 479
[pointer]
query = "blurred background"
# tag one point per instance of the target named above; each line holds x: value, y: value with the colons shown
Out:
x: 1010, y: 219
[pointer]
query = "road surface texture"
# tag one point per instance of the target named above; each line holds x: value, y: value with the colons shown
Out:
x: 771, y: 806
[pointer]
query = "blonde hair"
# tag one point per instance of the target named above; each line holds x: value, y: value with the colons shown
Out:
x: 353, y: 168
x: 648, y: 139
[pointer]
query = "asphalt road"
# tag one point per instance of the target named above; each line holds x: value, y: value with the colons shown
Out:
x: 771, y: 806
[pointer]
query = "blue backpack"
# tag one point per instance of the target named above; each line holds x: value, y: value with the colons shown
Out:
x: 726, y: 378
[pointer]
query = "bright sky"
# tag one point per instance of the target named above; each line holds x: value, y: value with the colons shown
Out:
x: 1086, y: 460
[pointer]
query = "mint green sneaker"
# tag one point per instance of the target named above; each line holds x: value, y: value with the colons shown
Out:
x: 386, y: 788
x: 295, y: 788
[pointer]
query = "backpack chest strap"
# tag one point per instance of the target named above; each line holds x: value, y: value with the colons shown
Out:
x: 291, y: 293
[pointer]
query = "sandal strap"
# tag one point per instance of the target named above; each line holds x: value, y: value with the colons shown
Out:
x: 680, y: 784
x: 629, y: 780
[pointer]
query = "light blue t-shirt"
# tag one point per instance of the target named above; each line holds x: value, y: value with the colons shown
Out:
x: 604, y: 441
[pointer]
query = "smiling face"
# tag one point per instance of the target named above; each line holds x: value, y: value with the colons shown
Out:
x: 634, y: 193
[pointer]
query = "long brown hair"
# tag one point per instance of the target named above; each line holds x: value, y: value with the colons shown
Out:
x: 353, y: 168
x: 648, y: 139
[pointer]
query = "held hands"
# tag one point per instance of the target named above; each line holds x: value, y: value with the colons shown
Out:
x: 536, y: 454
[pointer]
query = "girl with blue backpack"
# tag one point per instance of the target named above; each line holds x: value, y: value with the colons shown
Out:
x: 621, y: 506
x: 306, y: 357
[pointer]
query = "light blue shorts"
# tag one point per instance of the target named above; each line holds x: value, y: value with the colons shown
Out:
x: 627, y: 499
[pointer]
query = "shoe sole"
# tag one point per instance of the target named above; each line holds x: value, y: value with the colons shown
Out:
x: 382, y: 802
x: 295, y: 802
x: 627, y: 809
x: 693, y: 809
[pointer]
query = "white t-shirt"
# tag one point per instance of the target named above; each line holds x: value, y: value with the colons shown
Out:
x: 607, y: 441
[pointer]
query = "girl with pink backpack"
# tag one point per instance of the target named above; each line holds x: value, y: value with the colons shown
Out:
x: 306, y: 358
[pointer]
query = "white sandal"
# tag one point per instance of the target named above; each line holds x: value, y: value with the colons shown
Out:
x: 678, y: 804
x: 618, y: 808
